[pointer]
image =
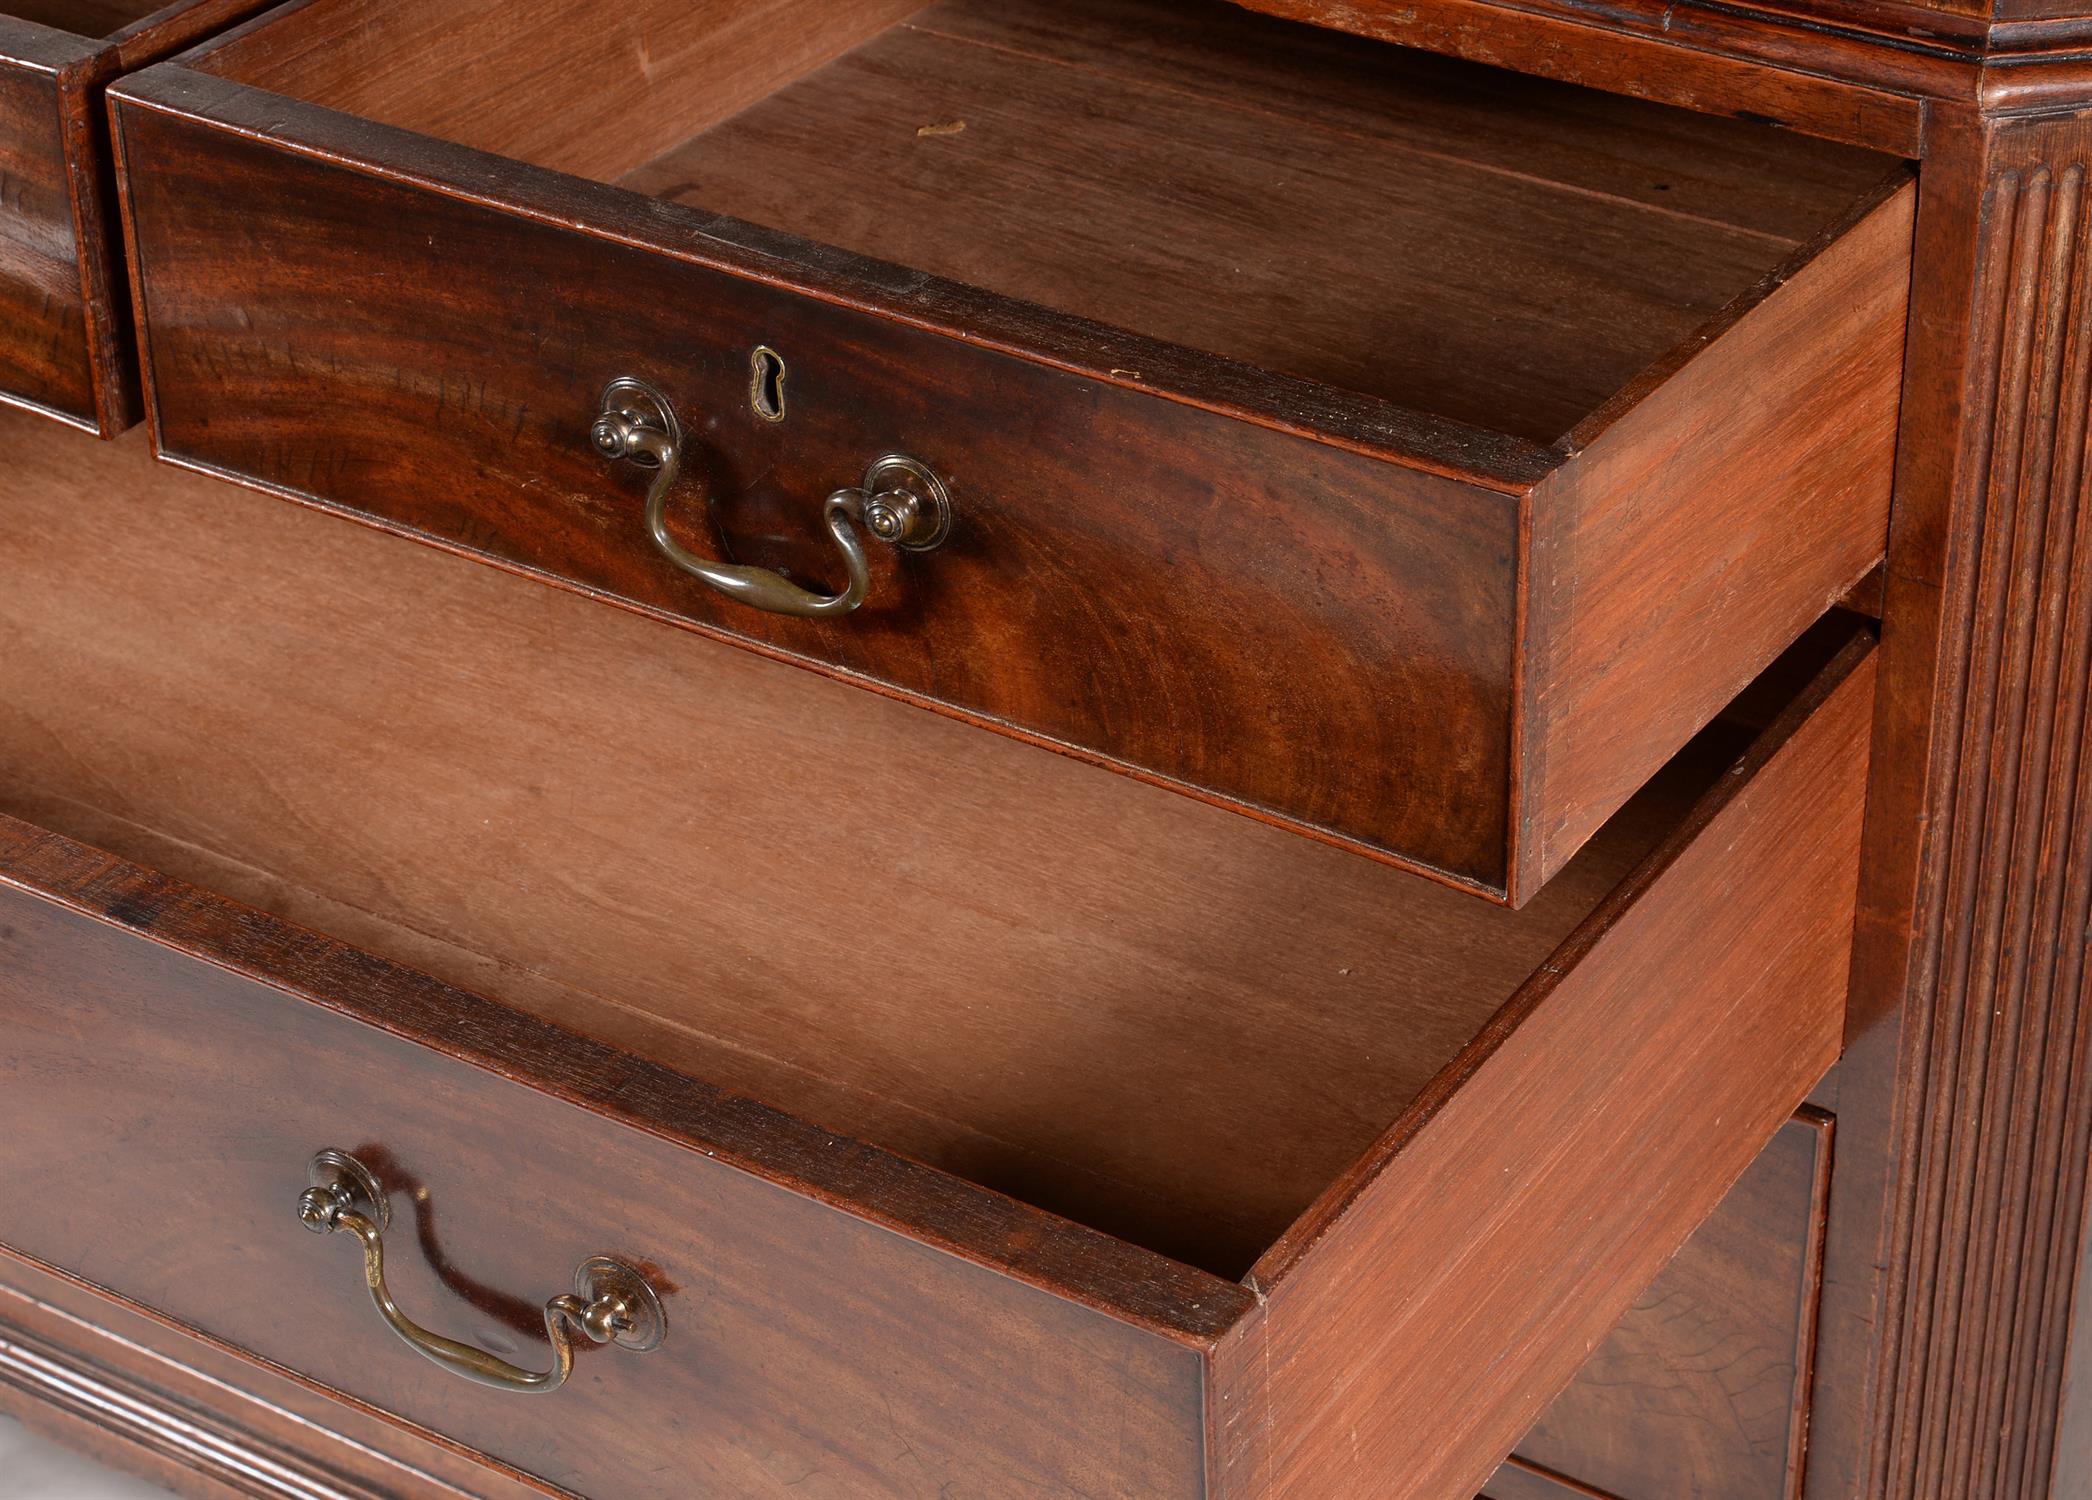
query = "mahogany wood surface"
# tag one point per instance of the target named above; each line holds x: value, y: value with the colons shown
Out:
x: 1716, y: 1348
x: 1369, y: 1276
x: 1620, y: 555
x: 1323, y: 587
x: 1957, y: 1239
x: 1151, y: 166
x: 835, y: 1297
x: 810, y: 1346
x: 1874, y: 73
x: 1860, y: 71
x: 46, y: 358
x: 1730, y: 1312
x: 520, y: 77
x: 65, y: 340
x: 1327, y: 608
x: 1703, y: 1388
x: 1517, y: 1481
x: 87, y: 18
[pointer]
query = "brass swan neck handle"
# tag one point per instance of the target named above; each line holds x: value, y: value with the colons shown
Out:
x: 900, y: 500
x: 610, y: 1303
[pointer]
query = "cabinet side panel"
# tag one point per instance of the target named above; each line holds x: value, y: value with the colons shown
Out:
x: 1966, y: 1117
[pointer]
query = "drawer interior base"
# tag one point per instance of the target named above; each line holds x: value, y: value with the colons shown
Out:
x: 1273, y: 193
x: 1161, y: 1019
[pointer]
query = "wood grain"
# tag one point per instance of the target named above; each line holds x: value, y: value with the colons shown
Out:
x: 1874, y: 73
x: 158, y: 1035
x: 420, y: 1090
x: 854, y: 1320
x: 575, y: 85
x: 1860, y: 71
x: 1971, y: 1025
x: 44, y: 348
x: 1693, y: 1031
x: 146, y: 1398
x: 1730, y: 172
x: 1293, y: 627
x: 1520, y: 1481
x: 87, y: 18
x: 1703, y: 1388
x: 1172, y: 197
x: 1702, y: 529
x: 137, y: 1429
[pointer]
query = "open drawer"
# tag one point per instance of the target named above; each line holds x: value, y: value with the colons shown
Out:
x: 65, y: 345
x: 1404, y: 452
x: 1108, y: 1145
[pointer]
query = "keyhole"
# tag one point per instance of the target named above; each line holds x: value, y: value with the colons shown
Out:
x: 766, y: 384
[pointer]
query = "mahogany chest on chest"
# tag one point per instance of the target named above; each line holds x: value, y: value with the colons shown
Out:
x: 1136, y: 748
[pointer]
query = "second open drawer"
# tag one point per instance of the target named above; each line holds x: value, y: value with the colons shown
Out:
x: 1107, y: 1144
x: 1407, y: 453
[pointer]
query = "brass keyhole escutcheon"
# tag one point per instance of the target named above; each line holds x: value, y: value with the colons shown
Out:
x: 766, y: 384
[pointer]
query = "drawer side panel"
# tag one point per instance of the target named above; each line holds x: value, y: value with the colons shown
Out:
x: 1700, y: 533
x: 1418, y: 1330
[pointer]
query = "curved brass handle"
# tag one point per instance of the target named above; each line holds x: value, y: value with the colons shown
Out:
x: 610, y: 1303
x: 901, y: 501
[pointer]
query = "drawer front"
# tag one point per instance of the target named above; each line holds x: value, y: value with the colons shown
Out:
x: 1703, y: 1389
x: 46, y: 341
x: 65, y: 343
x: 163, y: 1107
x: 1299, y: 629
